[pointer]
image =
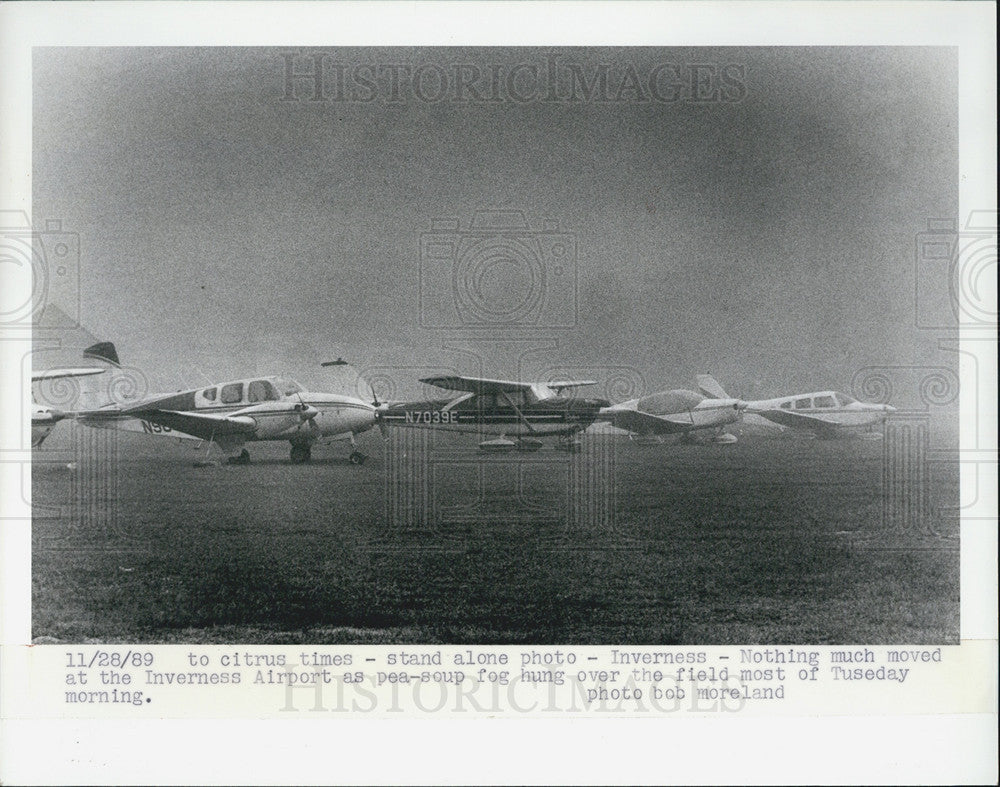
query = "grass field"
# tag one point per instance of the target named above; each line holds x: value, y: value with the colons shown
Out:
x: 779, y: 541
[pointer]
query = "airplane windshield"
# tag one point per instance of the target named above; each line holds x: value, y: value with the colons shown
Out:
x: 843, y: 399
x: 287, y: 387
x: 824, y: 401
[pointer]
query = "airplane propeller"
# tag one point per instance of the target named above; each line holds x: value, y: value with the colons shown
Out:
x: 375, y: 402
x: 306, y: 413
x: 378, y: 413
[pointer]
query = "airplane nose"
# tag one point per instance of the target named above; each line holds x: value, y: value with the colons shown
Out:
x: 306, y: 411
x: 889, y: 408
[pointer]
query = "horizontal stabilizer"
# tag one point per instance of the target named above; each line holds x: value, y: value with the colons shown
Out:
x: 58, y: 374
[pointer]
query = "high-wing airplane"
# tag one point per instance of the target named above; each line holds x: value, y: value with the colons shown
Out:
x: 827, y: 414
x: 234, y: 413
x: 43, y: 417
x: 677, y: 412
x: 524, y: 410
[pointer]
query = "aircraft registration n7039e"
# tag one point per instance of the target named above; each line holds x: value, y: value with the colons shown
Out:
x: 231, y: 414
x: 525, y: 410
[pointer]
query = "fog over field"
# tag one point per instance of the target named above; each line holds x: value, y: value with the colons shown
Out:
x: 752, y: 213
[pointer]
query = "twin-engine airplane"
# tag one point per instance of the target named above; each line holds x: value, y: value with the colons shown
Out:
x: 826, y: 414
x: 677, y: 412
x: 232, y: 414
x: 526, y: 411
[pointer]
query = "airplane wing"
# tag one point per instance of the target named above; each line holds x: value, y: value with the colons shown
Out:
x: 801, y: 421
x: 477, y: 385
x: 480, y: 385
x: 647, y: 424
x: 56, y: 374
x: 202, y: 425
x: 171, y: 423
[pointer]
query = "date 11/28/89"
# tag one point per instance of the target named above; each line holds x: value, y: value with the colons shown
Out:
x: 105, y: 658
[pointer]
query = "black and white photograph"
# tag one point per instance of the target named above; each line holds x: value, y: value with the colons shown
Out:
x: 535, y: 361
x: 496, y: 345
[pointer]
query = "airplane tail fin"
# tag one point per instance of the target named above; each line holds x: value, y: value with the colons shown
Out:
x: 103, y: 351
x: 96, y: 392
x: 710, y: 387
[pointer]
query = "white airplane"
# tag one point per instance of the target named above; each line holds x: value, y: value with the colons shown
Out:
x: 677, y: 412
x: 826, y: 414
x: 43, y: 417
x: 525, y: 410
x: 234, y: 413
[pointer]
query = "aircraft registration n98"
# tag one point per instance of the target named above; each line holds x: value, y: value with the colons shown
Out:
x: 233, y: 413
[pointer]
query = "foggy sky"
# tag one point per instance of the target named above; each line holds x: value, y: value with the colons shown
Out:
x: 768, y: 240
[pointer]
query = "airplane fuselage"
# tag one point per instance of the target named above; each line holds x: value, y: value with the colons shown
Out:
x: 827, y: 412
x: 491, y: 414
x: 272, y: 408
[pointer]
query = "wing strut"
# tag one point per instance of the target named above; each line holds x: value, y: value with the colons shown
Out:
x: 518, y: 411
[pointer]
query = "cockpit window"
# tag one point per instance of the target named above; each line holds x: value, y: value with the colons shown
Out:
x: 288, y: 387
x: 232, y: 393
x: 803, y: 404
x: 209, y: 394
x: 825, y: 401
x: 843, y: 399
x: 261, y: 391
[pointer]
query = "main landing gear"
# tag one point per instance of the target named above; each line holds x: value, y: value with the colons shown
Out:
x: 242, y: 459
x: 357, y: 458
x: 301, y: 454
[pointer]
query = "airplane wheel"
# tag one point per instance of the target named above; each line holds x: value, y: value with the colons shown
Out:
x: 357, y: 458
x: 242, y: 459
x: 301, y: 454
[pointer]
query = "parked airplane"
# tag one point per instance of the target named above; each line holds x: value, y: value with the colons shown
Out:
x: 827, y: 414
x: 677, y: 412
x: 43, y: 417
x: 234, y: 413
x: 527, y: 411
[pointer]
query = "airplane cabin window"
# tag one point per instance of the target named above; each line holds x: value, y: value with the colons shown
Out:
x: 825, y: 401
x: 209, y: 394
x: 261, y: 391
x: 786, y: 405
x: 843, y: 400
x: 803, y: 404
x: 517, y: 397
x: 232, y: 393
